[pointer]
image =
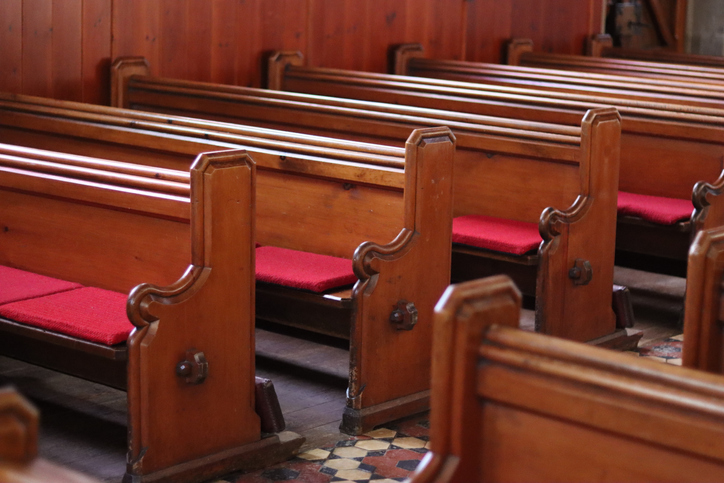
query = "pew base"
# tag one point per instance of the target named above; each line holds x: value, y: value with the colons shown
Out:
x: 620, y: 340
x: 359, y: 421
x: 651, y: 247
x: 267, y: 451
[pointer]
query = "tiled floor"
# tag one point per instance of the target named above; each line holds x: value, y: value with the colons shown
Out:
x: 383, y: 455
x: 390, y: 454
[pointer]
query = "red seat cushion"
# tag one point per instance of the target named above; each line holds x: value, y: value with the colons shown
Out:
x: 87, y: 313
x: 501, y: 235
x: 16, y: 285
x: 308, y: 271
x: 656, y: 209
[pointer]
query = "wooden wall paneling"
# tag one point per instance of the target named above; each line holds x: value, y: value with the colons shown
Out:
x: 249, y: 45
x: 489, y: 26
x: 11, y: 41
x: 135, y: 30
x: 225, y: 33
x: 173, y: 38
x: 283, y: 27
x: 198, y: 44
x: 336, y: 33
x: 66, y: 48
x: 446, y: 26
x: 96, y: 51
x: 37, y: 49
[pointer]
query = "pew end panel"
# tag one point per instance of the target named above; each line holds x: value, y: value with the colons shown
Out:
x: 577, y: 285
x: 401, y: 54
x: 516, y: 48
x: 277, y: 64
x: 518, y: 406
x: 122, y: 70
x: 398, y: 284
x: 703, y: 335
x: 19, y: 445
x: 598, y: 44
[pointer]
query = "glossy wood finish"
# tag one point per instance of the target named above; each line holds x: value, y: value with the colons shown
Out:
x: 61, y: 48
x: 19, y: 445
x: 396, y: 205
x: 601, y: 45
x: 656, y: 137
x: 509, y: 405
x: 496, y: 160
x: 521, y: 52
x: 115, y: 228
x: 703, y: 316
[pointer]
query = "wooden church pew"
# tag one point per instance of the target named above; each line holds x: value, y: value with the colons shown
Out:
x: 78, y: 235
x: 409, y: 60
x: 601, y: 45
x: 703, y: 336
x: 383, y: 212
x: 509, y: 405
x: 521, y: 53
x: 680, y: 146
x: 19, y: 462
x: 489, y: 158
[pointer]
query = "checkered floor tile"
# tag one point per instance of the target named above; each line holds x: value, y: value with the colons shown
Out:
x: 383, y: 455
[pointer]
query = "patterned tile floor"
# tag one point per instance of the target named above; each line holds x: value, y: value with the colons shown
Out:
x: 390, y: 454
x: 384, y: 455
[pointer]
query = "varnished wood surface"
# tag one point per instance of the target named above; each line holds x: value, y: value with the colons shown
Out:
x: 602, y: 46
x: 515, y: 406
x: 497, y: 160
x: 61, y: 49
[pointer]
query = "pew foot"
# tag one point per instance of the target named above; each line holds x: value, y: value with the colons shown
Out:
x: 620, y: 340
x: 267, y: 451
x: 359, y: 421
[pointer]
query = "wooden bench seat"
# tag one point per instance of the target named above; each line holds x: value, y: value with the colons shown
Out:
x: 19, y: 461
x: 492, y: 155
x: 521, y: 53
x: 385, y: 209
x: 680, y: 146
x: 109, y: 226
x: 509, y: 405
x: 601, y: 45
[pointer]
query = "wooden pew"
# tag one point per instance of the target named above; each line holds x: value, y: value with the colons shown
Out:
x: 489, y: 157
x: 703, y: 337
x: 566, y: 78
x: 601, y: 45
x: 682, y: 146
x: 521, y: 53
x: 19, y: 445
x: 385, y: 210
x: 109, y: 226
x: 509, y: 405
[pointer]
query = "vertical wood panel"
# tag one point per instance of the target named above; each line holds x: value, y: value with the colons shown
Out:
x: 66, y: 39
x: 37, y: 47
x: 135, y: 26
x: 198, y: 45
x: 489, y: 26
x: 224, y: 37
x: 96, y: 51
x: 11, y: 40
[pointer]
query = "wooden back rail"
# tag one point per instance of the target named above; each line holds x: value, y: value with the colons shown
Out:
x: 613, y: 84
x: 387, y: 209
x: 509, y: 405
x: 566, y: 169
x: 19, y: 462
x: 601, y: 45
x: 521, y: 53
x: 112, y: 225
x: 666, y: 150
x: 703, y: 317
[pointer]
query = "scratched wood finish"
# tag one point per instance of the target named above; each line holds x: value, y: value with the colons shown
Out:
x: 496, y: 160
x: 508, y: 405
x: 61, y: 49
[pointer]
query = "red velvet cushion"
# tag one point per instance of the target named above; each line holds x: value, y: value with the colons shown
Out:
x: 87, y: 313
x: 501, y: 235
x: 308, y: 271
x: 656, y: 209
x: 18, y: 285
